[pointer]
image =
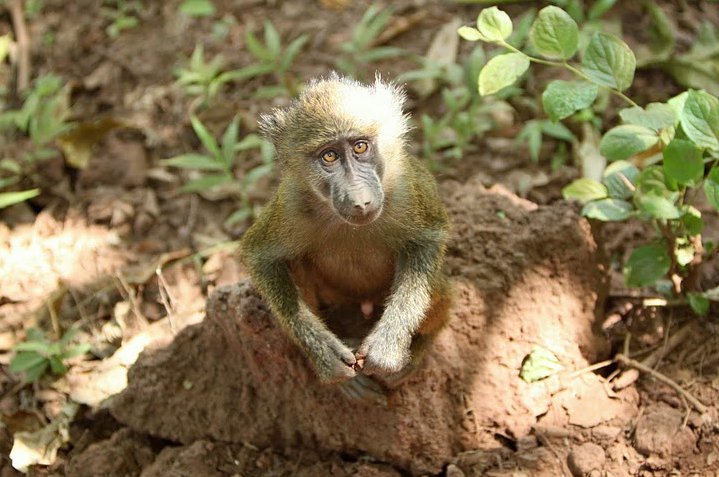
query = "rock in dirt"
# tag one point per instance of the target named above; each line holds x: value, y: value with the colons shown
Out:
x: 124, y: 454
x: 524, y: 276
x: 586, y: 458
x: 660, y: 431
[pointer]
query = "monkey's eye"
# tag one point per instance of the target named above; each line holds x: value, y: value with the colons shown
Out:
x: 329, y: 156
x: 360, y: 147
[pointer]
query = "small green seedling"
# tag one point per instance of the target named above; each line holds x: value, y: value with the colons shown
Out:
x: 359, y: 52
x: 660, y: 157
x: 38, y: 355
x: 218, y: 165
x: 273, y: 58
x: 123, y: 15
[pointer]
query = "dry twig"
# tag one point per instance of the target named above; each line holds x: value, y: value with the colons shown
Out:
x: 23, y: 45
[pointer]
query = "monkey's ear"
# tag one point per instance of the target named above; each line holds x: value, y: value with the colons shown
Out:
x: 272, y: 124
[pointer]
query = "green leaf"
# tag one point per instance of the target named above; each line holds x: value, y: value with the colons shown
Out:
x: 683, y: 162
x: 646, y: 265
x: 57, y: 366
x: 622, y: 142
x: 698, y: 303
x: 584, y: 190
x: 692, y: 221
x: 39, y: 347
x: 620, y: 178
x: 608, y: 210
x: 531, y: 133
x: 77, y: 350
x: 9, y: 198
x: 539, y: 364
x: 711, y: 187
x: 561, y: 99
x: 34, y: 373
x: 557, y: 131
x: 256, y: 48
x: 257, y: 172
x: 502, y: 71
x: 554, y: 34
x: 683, y: 251
x: 608, y: 61
x: 599, y: 8
x: 205, y: 182
x: 657, y: 116
x: 205, y: 137
x: 239, y: 215
x: 193, y: 161
x: 658, y: 207
x: 700, y: 119
x: 25, y: 360
x: 198, y: 8
x: 293, y: 49
x: 229, y: 141
x: 653, y: 181
x: 272, y: 39
x: 469, y: 33
x: 494, y: 25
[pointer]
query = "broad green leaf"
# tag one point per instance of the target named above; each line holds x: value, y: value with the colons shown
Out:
x: 494, y: 25
x: 57, y: 366
x: 608, y: 61
x: 653, y: 181
x: 554, y: 34
x: 683, y: 162
x: 205, y: 182
x: 656, y: 116
x: 205, y: 137
x: 620, y: 178
x: 692, y: 221
x: 193, y: 161
x: 584, y: 190
x: 700, y: 119
x: 469, y: 33
x: 608, y: 210
x: 198, y: 8
x: 557, y: 130
x: 502, y: 71
x: 39, y: 347
x: 540, y: 363
x: 698, y: 303
x: 658, y: 206
x: 646, y: 265
x: 711, y: 187
x: 561, y: 99
x: 9, y: 198
x: 622, y: 142
x: 25, y: 360
x: 272, y: 39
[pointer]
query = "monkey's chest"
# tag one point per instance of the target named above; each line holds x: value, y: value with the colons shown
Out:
x: 342, y: 277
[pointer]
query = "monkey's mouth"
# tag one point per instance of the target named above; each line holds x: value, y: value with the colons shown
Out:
x: 364, y: 218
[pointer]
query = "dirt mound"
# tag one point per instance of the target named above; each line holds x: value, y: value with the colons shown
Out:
x: 525, y: 276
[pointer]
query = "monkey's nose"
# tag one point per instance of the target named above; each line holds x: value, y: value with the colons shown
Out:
x: 362, y: 206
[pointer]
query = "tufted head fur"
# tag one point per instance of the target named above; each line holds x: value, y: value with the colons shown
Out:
x: 338, y: 106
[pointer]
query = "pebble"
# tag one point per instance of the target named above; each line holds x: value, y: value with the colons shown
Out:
x: 586, y: 458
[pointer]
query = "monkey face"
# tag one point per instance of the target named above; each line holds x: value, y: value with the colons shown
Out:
x: 348, y: 175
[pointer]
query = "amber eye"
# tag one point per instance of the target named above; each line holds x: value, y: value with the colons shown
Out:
x: 360, y: 147
x: 329, y: 156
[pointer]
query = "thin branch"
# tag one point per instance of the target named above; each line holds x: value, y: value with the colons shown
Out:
x: 698, y: 405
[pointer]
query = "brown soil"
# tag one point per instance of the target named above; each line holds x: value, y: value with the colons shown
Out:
x: 113, y: 248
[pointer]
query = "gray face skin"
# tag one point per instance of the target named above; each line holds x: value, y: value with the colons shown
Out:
x: 349, y: 172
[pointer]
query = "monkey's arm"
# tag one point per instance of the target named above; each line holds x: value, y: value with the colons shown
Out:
x: 387, y: 348
x: 264, y: 259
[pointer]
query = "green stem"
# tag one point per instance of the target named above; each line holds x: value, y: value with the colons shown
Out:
x: 571, y: 68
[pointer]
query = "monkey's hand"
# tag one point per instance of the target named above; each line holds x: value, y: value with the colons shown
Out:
x: 384, y: 351
x: 333, y: 361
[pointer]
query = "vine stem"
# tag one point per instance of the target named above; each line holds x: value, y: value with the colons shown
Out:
x: 576, y: 71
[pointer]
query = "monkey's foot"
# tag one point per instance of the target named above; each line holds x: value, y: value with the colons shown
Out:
x: 365, y: 389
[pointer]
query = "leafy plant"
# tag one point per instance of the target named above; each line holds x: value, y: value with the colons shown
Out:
x: 123, y: 15
x: 198, y: 8
x: 661, y: 155
x: 218, y: 165
x: 360, y: 50
x: 273, y: 58
x: 38, y: 355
